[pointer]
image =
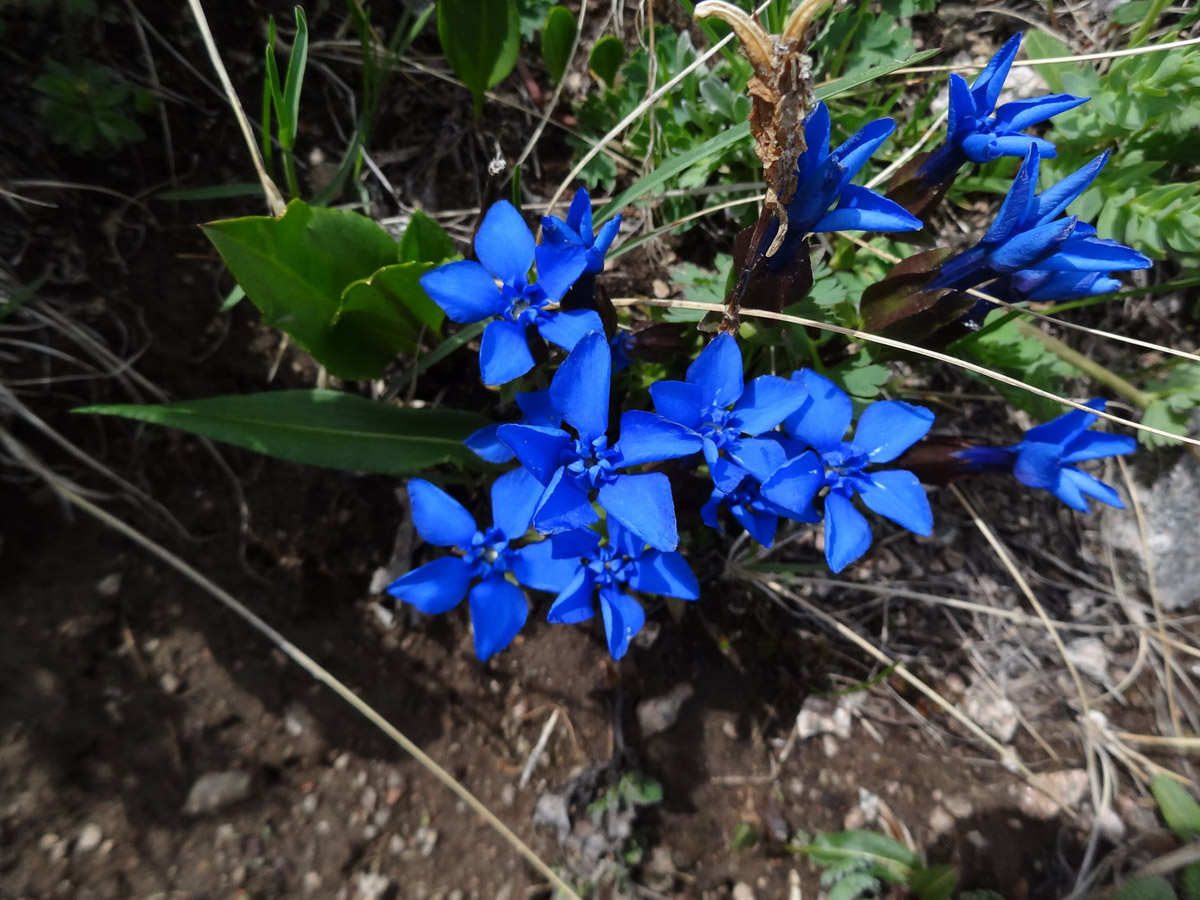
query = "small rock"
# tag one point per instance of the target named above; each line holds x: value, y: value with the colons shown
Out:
x: 551, y: 812
x: 311, y: 882
x: 995, y: 715
x: 309, y: 804
x: 661, y: 289
x: 169, y: 683
x: 297, y: 720
x: 216, y: 790
x: 743, y: 891
x: 109, y: 586
x: 1090, y: 656
x: 372, y: 886
x: 1067, y: 787
x: 660, y: 713
x: 508, y: 794
x: 959, y: 807
x: 397, y: 845
x: 370, y: 832
x: 238, y: 875
x: 323, y: 828
x: 48, y: 840
x: 821, y: 716
x: 829, y: 745
x: 342, y: 763
x: 425, y: 839
x: 89, y: 838
x: 940, y: 821
x: 226, y: 834
x: 381, y: 817
x: 370, y: 797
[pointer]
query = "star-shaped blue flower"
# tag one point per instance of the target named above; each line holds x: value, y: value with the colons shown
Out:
x: 577, y: 231
x: 885, y: 430
x: 498, y: 607
x: 1046, y: 458
x: 979, y: 132
x: 536, y: 409
x: 758, y: 515
x: 574, y: 470
x: 725, y: 415
x: 823, y: 181
x: 1029, y: 235
x: 577, y: 566
x: 468, y: 292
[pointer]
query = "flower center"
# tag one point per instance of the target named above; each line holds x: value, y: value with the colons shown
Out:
x: 594, y: 465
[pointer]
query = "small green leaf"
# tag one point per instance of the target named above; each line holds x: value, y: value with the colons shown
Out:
x: 389, y: 309
x: 744, y: 836
x: 640, y: 789
x: 320, y: 428
x: 1189, y: 880
x: 1146, y: 887
x: 888, y: 857
x: 934, y: 883
x: 558, y: 35
x: 481, y: 39
x: 1179, y: 810
x: 424, y: 240
x: 606, y: 58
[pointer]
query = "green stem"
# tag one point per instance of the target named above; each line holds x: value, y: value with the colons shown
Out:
x: 1087, y: 366
x: 289, y: 172
x: 1151, y: 19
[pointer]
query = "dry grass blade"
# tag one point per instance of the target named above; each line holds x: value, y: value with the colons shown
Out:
x: 71, y: 494
x: 1082, y: 57
x: 911, y: 348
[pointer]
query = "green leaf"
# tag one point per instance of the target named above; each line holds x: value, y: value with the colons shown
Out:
x: 214, y: 192
x: 640, y: 789
x: 294, y: 80
x: 481, y: 39
x: 1190, y: 881
x: 1146, y: 887
x: 888, y: 857
x: 934, y: 883
x: 1179, y: 810
x: 296, y: 268
x: 744, y: 836
x: 1039, y: 45
x: 320, y: 428
x: 389, y: 310
x: 424, y: 240
x: 606, y: 58
x: 558, y: 35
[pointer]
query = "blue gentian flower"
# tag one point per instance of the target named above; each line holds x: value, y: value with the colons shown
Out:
x: 537, y: 410
x: 758, y: 515
x: 577, y: 232
x: 885, y: 430
x: 576, y: 469
x: 724, y: 415
x: 823, y: 181
x: 1039, y: 286
x: 498, y: 607
x: 1046, y: 457
x: 577, y: 565
x: 979, y: 132
x: 1028, y: 235
x: 468, y: 292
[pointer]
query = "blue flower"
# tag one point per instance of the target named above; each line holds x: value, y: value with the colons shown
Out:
x: 823, y: 181
x: 724, y: 415
x: 1039, y: 286
x: 498, y: 607
x: 468, y: 292
x: 758, y: 515
x: 537, y: 410
x: 573, y: 469
x: 577, y: 232
x: 885, y: 430
x: 577, y: 565
x: 1028, y: 235
x: 976, y: 133
x: 1046, y: 457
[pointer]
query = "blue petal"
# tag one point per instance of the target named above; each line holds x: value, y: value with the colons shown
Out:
x: 897, y: 495
x: 795, y: 484
x: 573, y: 545
x: 498, y: 610
x: 1067, y: 490
x: 625, y: 541
x: 556, y: 231
x: 853, y: 155
x: 436, y: 587
x: 816, y: 136
x: 1021, y: 114
x: 1018, y: 202
x: 538, y: 448
x: 767, y: 401
x: 504, y: 352
x: 558, y: 266
x: 888, y: 428
x: 761, y: 457
x: 538, y: 408
x: 822, y: 422
x: 1095, y: 255
x: 726, y: 474
x: 623, y: 618
x: 581, y: 384
x: 608, y: 233
x: 515, y: 495
x: 761, y: 526
x: 504, y: 243
x: 665, y: 573
x: 1052, y: 202
x: 1038, y: 465
x: 646, y: 437
x: 564, y: 506
x: 465, y: 290
x: 537, y: 567
x: 1098, y: 444
x: 574, y: 604
x: 579, y: 216
x: 717, y: 372
x: 1088, y: 486
x: 440, y: 519
x: 961, y: 107
x: 644, y: 505
x: 1067, y: 426
x: 678, y: 401
x: 847, y: 534
x: 567, y: 327
x: 860, y: 209
x: 486, y: 445
x: 1032, y: 247
x: 990, y: 82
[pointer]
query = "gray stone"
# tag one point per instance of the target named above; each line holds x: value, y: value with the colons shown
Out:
x: 216, y: 790
x: 89, y: 838
x: 659, y: 713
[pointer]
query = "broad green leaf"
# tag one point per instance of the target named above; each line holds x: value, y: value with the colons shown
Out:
x: 481, y: 39
x: 320, y: 428
x: 296, y: 268
x: 1179, y: 810
x: 1146, y: 887
x: 888, y: 857
x: 558, y: 34
x: 934, y: 883
x: 1039, y: 45
x: 606, y: 58
x: 424, y: 240
x: 388, y: 310
x: 1189, y: 881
